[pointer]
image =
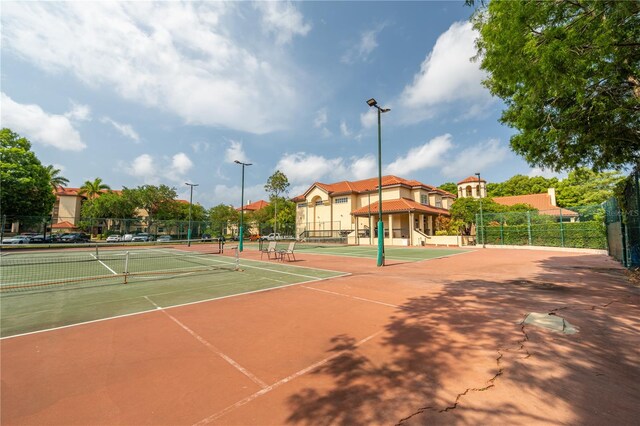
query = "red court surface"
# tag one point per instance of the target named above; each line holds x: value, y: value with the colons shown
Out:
x: 431, y: 342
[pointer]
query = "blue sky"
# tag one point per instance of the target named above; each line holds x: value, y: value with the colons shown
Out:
x: 150, y: 93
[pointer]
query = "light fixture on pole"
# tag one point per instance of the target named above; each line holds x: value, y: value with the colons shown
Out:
x: 191, y: 185
x: 481, y: 218
x: 241, y: 236
x: 373, y: 103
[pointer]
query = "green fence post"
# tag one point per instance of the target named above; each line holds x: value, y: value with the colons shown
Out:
x: 529, y: 225
x: 561, y: 230
x: 502, y: 228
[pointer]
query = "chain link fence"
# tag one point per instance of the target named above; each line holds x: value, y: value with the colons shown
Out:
x: 576, y: 227
x: 623, y: 223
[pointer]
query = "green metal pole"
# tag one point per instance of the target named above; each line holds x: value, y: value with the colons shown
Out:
x: 561, y: 230
x: 240, y: 239
x: 189, y: 231
x: 380, y: 223
x: 502, y: 228
x: 529, y: 225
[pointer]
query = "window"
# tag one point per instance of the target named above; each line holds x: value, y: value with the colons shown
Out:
x: 424, y: 199
x: 319, y: 203
x: 439, y: 203
x: 341, y: 200
x: 302, y: 205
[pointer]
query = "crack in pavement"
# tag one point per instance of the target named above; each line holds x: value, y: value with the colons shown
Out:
x: 521, y: 346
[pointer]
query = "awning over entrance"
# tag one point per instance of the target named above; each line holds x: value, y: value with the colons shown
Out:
x: 401, y: 205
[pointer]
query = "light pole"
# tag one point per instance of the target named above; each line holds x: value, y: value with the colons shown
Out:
x: 191, y: 185
x: 481, y: 218
x: 241, y: 236
x: 373, y: 103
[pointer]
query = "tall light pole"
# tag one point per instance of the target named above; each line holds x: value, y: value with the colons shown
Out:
x: 191, y: 185
x: 481, y: 218
x: 241, y: 236
x: 373, y: 103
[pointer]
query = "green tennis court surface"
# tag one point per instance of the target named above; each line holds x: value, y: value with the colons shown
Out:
x: 409, y: 254
x: 52, y: 289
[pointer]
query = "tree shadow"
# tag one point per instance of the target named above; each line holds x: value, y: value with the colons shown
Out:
x: 422, y: 368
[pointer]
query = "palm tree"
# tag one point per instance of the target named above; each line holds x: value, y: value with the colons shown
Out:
x: 93, y: 189
x: 56, y: 180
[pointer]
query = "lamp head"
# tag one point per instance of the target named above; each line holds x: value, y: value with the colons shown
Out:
x: 237, y: 162
x: 372, y: 102
x: 385, y: 109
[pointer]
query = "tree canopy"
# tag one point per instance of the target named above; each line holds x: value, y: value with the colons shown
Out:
x: 110, y: 205
x: 521, y: 185
x: 25, y: 188
x: 449, y: 187
x: 569, y: 74
x: 583, y: 187
x: 55, y: 178
x: 276, y: 184
x: 93, y: 189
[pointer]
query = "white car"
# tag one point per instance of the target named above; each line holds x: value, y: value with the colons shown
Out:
x: 274, y: 237
x: 127, y: 237
x: 18, y: 239
x: 113, y: 238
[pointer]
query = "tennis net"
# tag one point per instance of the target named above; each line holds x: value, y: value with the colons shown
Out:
x: 41, y: 272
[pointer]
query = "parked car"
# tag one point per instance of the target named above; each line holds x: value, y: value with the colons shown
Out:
x: 39, y: 239
x: 114, y: 238
x: 127, y: 237
x: 254, y: 237
x: 142, y: 237
x: 272, y: 237
x: 164, y: 239
x: 75, y: 238
x: 206, y: 237
x: 18, y: 239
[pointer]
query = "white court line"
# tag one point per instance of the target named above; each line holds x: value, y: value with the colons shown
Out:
x: 351, y: 297
x: 103, y: 264
x: 280, y: 383
x: 212, y: 348
x: 169, y: 307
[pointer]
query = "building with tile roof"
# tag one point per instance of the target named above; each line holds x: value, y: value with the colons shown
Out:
x: 350, y: 208
x: 545, y: 203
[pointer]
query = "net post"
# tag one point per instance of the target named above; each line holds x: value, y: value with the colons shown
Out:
x: 97, y: 254
x: 237, y: 259
x: 126, y: 266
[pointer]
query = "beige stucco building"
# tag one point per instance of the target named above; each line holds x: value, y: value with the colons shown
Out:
x: 350, y: 209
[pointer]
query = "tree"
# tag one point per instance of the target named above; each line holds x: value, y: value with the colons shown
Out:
x: 584, y: 187
x: 569, y: 73
x: 25, y: 188
x: 56, y: 180
x: 276, y: 184
x: 93, y: 189
x: 110, y: 205
x: 449, y: 187
x: 521, y: 185
x: 157, y: 201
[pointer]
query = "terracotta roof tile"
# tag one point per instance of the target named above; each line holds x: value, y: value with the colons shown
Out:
x: 541, y: 202
x: 260, y: 204
x: 63, y: 225
x: 400, y: 205
x: 371, y: 184
x: 471, y: 179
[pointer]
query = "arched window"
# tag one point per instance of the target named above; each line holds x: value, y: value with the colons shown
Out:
x: 469, y: 191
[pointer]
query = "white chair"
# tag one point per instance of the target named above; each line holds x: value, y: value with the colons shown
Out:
x: 271, y: 249
x: 288, y: 252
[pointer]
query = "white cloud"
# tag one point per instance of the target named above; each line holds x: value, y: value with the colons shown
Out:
x: 143, y: 167
x: 421, y: 157
x: 79, y: 112
x: 124, y: 129
x: 283, y: 20
x: 364, y: 167
x: 153, y: 171
x: 230, y: 195
x: 369, y: 119
x: 321, y: 118
x: 39, y: 126
x: 447, y: 75
x: 344, y: 129
x: 479, y: 157
x: 173, y: 56
x: 199, y: 147
x: 361, y: 51
x: 235, y: 152
x: 303, y: 169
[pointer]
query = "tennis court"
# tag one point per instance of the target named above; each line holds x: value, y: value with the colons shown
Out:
x: 439, y: 341
x: 54, y: 288
x: 409, y: 254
